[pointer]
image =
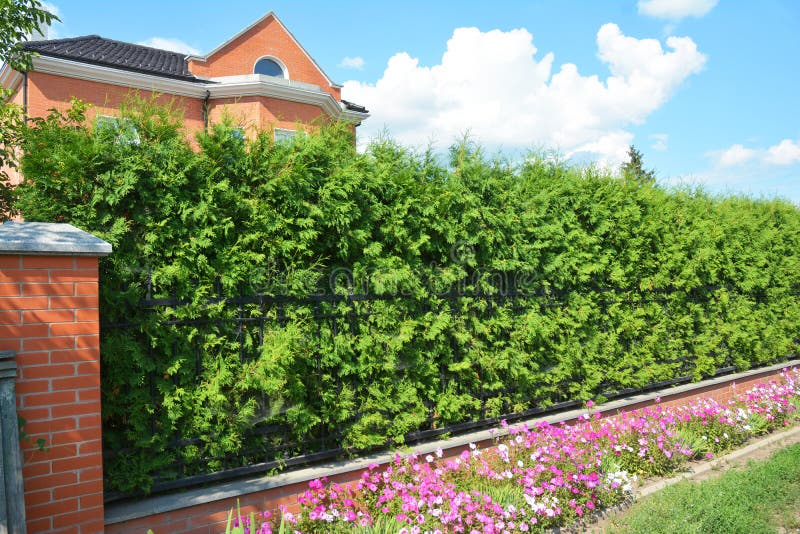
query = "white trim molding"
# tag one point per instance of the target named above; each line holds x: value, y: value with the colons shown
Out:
x: 125, y: 78
x: 223, y: 87
x: 284, y: 134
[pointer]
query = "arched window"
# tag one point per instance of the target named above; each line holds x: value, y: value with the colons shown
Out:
x: 269, y: 67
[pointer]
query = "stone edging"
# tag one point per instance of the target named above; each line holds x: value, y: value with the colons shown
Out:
x: 127, y: 511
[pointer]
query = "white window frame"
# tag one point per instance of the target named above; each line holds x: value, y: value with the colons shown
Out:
x: 282, y: 135
x: 116, y: 123
x: 280, y: 63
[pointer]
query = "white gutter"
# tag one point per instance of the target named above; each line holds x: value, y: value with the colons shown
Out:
x: 224, y: 87
x: 98, y: 73
x: 259, y: 85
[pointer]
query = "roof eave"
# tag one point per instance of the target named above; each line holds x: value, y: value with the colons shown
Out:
x: 89, y: 61
x: 116, y: 76
x: 305, y: 95
x: 197, y: 88
x: 356, y: 117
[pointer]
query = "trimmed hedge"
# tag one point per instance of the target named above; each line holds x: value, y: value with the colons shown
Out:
x: 231, y: 216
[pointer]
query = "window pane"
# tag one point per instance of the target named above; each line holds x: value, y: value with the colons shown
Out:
x: 121, y: 128
x: 282, y: 134
x: 268, y: 68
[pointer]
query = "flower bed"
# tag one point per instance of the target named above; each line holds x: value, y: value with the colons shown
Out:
x: 539, y: 477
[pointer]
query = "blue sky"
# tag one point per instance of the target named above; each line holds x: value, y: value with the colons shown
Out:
x: 706, y: 89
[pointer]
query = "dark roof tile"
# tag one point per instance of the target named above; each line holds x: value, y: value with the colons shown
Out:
x: 354, y: 107
x: 108, y: 52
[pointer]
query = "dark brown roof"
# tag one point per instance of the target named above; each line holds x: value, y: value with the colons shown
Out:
x: 116, y: 54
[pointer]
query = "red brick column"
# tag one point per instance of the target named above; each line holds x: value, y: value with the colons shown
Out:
x: 49, y: 317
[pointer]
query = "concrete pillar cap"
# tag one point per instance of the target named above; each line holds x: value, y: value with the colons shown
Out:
x: 49, y: 239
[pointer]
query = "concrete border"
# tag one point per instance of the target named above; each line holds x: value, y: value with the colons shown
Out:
x: 117, y: 513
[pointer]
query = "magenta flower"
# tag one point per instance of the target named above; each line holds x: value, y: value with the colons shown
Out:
x: 559, y: 472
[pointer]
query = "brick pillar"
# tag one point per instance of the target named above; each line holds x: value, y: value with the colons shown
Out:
x: 49, y: 317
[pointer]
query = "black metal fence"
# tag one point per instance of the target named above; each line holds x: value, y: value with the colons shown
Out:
x: 270, y: 444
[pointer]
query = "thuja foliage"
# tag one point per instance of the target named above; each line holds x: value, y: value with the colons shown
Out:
x: 12, y: 121
x: 219, y: 217
x: 19, y: 19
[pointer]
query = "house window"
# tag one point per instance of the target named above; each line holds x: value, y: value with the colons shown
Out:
x: 284, y: 135
x: 122, y: 128
x: 269, y: 67
x: 238, y: 133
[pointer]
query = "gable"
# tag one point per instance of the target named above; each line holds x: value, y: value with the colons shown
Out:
x: 267, y: 37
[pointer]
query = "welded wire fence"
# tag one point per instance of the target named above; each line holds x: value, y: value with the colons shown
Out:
x: 618, y: 341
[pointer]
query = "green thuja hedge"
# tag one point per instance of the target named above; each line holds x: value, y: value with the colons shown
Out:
x: 701, y: 282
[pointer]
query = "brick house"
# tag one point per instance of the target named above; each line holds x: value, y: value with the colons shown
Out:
x: 260, y: 77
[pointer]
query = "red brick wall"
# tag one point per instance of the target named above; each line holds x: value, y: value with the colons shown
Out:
x: 262, y: 112
x: 49, y: 316
x: 46, y: 91
x: 721, y: 393
x: 210, y: 518
x: 16, y: 98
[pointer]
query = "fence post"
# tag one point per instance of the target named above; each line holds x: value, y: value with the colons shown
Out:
x: 49, y: 316
x: 3, y: 507
x: 13, y: 490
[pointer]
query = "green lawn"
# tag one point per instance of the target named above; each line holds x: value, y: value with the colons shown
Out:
x: 761, y: 497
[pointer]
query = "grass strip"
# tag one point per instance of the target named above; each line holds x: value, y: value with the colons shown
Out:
x: 761, y: 497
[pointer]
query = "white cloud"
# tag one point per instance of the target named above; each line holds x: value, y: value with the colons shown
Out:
x: 735, y: 155
x: 52, y: 9
x: 786, y: 152
x: 352, y: 62
x: 492, y: 85
x: 660, y: 141
x: 676, y: 9
x: 52, y: 31
x: 610, y: 149
x: 166, y: 43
